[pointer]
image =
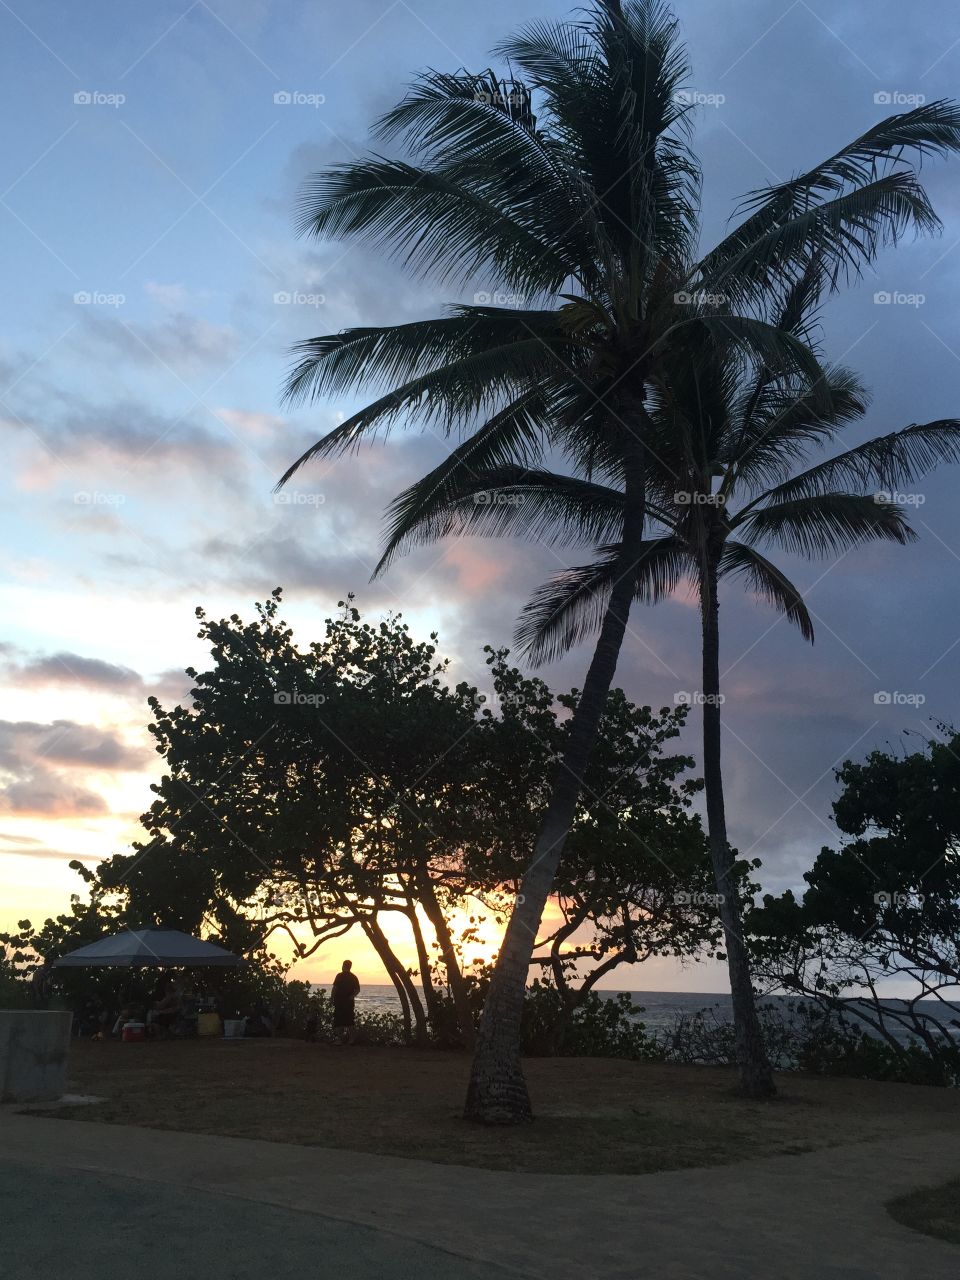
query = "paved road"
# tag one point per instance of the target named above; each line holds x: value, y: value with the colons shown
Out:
x: 77, y: 1225
x: 818, y: 1216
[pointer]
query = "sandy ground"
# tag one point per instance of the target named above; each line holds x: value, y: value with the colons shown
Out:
x: 594, y: 1116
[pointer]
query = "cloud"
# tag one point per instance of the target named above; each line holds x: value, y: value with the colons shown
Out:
x: 259, y: 425
x: 66, y: 743
x: 95, y: 675
x: 182, y: 343
x: 109, y: 451
x: 199, y: 524
x: 44, y: 794
x: 168, y: 295
x: 31, y: 847
x: 37, y: 761
x: 171, y: 687
x: 73, y: 669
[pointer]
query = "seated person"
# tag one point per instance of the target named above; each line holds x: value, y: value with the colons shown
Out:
x: 261, y: 1023
x: 89, y: 1018
x: 130, y: 1011
x: 165, y: 1011
x: 185, y: 1023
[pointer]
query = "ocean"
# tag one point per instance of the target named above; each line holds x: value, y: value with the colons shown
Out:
x: 660, y: 1008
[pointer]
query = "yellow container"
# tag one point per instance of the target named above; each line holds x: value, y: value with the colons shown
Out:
x: 208, y: 1024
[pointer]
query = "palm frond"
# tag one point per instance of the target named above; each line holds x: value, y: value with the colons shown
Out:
x: 386, y: 355
x: 499, y: 501
x: 609, y: 86
x: 884, y: 463
x: 824, y: 524
x: 570, y: 606
x: 469, y: 128
x: 767, y: 582
x: 780, y: 422
x: 435, y: 225
x: 841, y: 211
x: 757, y: 341
x: 840, y: 236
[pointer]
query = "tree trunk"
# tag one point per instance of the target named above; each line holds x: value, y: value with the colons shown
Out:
x: 497, y: 1093
x: 448, y: 953
x: 756, y: 1075
x: 430, y: 995
x: 410, y: 1003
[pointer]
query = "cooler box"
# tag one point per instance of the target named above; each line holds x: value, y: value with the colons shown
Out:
x: 134, y: 1031
x: 208, y: 1024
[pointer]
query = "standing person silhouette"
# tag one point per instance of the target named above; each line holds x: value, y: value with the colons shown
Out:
x: 344, y: 993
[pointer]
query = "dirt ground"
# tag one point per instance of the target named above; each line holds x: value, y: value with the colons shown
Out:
x: 932, y: 1210
x: 593, y: 1115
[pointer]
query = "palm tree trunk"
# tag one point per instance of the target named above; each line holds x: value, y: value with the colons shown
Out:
x: 497, y: 1093
x: 756, y: 1075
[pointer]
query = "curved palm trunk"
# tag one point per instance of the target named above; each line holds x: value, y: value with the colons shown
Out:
x: 497, y: 1093
x: 756, y: 1075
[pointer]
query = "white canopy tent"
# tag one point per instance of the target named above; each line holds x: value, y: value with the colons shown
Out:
x: 149, y: 947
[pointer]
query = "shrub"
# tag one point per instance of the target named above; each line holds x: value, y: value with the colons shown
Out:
x: 598, y: 1027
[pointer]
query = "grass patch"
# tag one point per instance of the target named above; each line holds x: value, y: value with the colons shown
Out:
x: 593, y: 1115
x: 933, y: 1210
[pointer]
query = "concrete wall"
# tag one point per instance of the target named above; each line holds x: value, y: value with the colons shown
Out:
x: 33, y: 1053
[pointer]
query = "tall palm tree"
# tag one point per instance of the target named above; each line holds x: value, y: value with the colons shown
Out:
x: 587, y: 212
x: 732, y: 443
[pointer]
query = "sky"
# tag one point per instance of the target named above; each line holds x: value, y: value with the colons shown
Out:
x: 155, y: 284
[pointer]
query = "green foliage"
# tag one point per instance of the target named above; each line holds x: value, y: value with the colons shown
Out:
x: 14, y: 987
x: 835, y: 1049
x: 803, y: 1036
x: 599, y: 1027
x: 350, y: 782
x: 300, y: 1009
x: 705, y: 1037
x: 885, y: 905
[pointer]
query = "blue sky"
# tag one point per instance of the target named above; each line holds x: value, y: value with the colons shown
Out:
x: 143, y: 429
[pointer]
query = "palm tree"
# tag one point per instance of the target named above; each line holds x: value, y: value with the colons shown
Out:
x: 733, y: 444
x: 589, y: 214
